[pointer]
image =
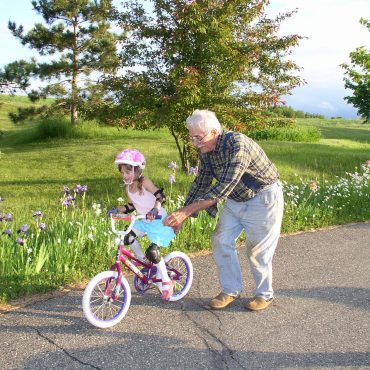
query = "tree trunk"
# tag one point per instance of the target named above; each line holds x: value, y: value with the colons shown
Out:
x: 74, y: 87
x: 182, y: 152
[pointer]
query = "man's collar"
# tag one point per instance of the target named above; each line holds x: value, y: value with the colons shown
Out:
x: 220, y: 139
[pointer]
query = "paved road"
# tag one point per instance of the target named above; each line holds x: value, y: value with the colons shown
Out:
x: 319, y: 320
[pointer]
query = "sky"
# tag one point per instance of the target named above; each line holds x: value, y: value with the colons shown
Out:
x: 331, y: 28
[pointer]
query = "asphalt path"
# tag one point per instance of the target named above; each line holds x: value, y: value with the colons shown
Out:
x: 318, y: 320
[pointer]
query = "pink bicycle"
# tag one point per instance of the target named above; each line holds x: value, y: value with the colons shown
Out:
x: 107, y: 296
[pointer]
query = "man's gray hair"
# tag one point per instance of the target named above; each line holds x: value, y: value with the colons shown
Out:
x: 203, y: 119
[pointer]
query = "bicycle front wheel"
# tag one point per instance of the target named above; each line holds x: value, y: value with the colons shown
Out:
x: 180, y: 270
x: 104, y: 302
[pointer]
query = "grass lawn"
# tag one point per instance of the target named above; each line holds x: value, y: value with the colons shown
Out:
x: 76, y: 242
x: 33, y: 172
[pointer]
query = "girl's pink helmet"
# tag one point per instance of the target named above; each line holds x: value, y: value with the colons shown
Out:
x: 132, y: 157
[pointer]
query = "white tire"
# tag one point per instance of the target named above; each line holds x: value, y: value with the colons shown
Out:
x: 102, y: 310
x: 181, y: 263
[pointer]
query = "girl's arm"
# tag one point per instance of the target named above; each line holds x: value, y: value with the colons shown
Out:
x: 127, y: 208
x: 160, y: 198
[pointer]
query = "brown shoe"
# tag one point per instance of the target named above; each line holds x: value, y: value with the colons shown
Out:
x: 221, y: 301
x: 258, y: 303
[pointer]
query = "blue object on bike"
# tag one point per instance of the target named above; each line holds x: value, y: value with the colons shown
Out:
x: 157, y: 233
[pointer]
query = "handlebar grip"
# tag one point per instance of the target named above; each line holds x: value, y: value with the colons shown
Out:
x: 121, y: 217
x: 158, y: 217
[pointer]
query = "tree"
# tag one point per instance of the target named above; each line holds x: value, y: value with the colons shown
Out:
x: 78, y: 33
x: 220, y: 55
x: 358, y: 78
x: 16, y: 76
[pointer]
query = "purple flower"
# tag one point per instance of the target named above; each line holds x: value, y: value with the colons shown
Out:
x: 66, y: 190
x: 23, y: 229
x: 20, y: 241
x: 193, y: 170
x: 42, y: 226
x: 37, y: 214
x: 171, y: 179
x: 80, y: 189
x: 8, y: 217
x: 7, y: 232
x: 173, y: 165
x: 66, y: 203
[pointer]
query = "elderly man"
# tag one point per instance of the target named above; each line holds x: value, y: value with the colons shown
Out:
x: 249, y: 183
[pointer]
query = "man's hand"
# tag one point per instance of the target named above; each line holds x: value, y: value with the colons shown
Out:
x: 175, y: 219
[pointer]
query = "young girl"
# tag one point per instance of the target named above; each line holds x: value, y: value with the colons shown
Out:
x: 146, y: 199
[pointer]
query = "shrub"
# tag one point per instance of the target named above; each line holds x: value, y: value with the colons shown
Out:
x: 301, y: 134
x: 61, y: 128
x: 53, y: 127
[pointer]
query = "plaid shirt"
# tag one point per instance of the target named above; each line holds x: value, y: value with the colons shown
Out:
x: 234, y: 157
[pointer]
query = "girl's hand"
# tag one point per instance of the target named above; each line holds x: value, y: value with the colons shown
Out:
x: 152, y: 214
x: 112, y: 211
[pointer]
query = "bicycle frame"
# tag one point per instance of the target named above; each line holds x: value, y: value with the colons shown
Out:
x: 125, y: 256
x: 107, y: 296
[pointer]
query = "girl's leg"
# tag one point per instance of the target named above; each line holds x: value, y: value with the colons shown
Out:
x: 136, y: 248
x: 167, y: 286
x: 135, y: 245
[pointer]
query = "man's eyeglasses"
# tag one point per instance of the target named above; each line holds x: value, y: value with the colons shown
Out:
x: 197, y: 138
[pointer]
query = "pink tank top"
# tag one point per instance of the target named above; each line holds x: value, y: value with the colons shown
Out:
x: 144, y: 202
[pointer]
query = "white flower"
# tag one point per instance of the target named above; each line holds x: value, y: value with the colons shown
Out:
x: 120, y: 200
x: 193, y: 170
x: 59, y: 241
x: 173, y: 165
x: 69, y: 241
x: 29, y: 250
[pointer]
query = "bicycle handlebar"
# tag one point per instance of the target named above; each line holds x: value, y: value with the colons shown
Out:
x: 125, y: 217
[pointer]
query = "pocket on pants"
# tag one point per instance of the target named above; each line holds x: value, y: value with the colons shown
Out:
x: 267, y: 198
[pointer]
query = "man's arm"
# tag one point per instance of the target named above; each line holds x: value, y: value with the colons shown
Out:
x: 176, y: 218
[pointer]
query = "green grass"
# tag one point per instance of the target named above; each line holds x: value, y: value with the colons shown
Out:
x: 34, y: 169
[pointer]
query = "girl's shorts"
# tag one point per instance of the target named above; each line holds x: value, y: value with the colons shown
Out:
x: 156, y: 232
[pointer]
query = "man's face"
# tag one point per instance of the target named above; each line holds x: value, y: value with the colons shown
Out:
x: 204, y: 141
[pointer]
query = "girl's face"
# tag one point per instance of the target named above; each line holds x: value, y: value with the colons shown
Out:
x: 128, y: 174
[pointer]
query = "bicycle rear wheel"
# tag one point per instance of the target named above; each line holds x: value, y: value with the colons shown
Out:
x: 104, y: 302
x: 180, y: 270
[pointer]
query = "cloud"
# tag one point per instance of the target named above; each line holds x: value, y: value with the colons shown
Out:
x: 327, y: 106
x: 333, y: 31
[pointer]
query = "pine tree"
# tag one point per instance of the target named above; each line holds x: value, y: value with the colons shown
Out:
x: 78, y: 34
